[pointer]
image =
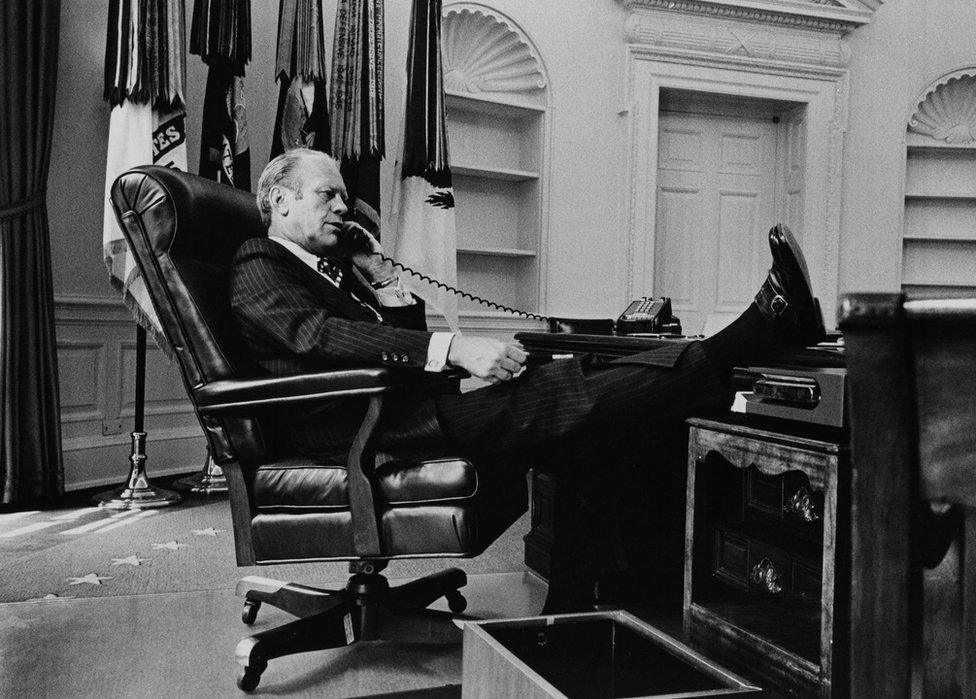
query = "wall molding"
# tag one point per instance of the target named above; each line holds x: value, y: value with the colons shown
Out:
x: 77, y: 309
x: 730, y: 42
x: 834, y: 16
x: 93, y: 409
x: 820, y: 89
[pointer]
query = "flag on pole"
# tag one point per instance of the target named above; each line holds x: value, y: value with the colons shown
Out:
x: 303, y: 117
x: 426, y: 238
x: 145, y: 78
x: 356, y: 103
x: 221, y: 35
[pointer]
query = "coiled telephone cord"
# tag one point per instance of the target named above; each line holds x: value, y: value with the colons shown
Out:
x: 465, y: 294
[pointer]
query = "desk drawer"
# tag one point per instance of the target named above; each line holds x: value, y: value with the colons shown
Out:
x: 758, y: 567
x: 787, y: 498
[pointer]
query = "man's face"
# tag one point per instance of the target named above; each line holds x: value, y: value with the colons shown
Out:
x: 312, y: 217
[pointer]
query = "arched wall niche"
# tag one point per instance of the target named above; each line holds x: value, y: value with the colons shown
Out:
x: 946, y: 109
x: 497, y: 94
x: 938, y: 242
x: 487, y: 52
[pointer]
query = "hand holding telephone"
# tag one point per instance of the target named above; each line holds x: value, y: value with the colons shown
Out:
x: 354, y: 237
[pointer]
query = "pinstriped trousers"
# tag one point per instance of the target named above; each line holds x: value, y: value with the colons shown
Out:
x: 614, y: 434
x: 554, y: 406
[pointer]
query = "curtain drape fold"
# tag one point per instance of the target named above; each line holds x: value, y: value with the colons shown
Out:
x: 30, y: 431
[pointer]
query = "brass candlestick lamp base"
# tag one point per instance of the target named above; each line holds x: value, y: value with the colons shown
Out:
x: 138, y: 492
x: 210, y: 481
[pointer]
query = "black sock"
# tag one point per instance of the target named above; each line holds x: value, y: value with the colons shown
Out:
x: 750, y: 338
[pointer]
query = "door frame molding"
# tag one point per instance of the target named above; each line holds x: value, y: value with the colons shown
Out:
x: 820, y: 88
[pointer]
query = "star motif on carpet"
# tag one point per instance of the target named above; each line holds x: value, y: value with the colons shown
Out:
x: 129, y: 561
x: 170, y: 545
x: 209, y: 531
x: 90, y: 579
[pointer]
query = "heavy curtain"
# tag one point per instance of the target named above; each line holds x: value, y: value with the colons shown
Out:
x: 30, y: 436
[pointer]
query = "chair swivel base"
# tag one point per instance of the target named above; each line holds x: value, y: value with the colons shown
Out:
x: 367, y: 609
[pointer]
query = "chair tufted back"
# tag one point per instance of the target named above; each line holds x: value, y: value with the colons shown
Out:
x: 183, y: 231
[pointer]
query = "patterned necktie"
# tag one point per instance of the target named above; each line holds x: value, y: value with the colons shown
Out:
x: 330, y: 267
x: 333, y: 269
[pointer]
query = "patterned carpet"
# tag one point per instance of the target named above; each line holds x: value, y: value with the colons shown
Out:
x: 83, y: 551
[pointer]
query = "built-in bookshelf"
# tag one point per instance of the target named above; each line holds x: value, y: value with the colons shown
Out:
x: 939, y: 237
x: 497, y: 117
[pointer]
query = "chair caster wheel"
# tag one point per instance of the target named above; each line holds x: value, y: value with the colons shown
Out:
x: 456, y: 602
x: 249, y: 679
x: 250, y: 613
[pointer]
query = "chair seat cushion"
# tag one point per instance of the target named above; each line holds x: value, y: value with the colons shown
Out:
x: 304, y: 485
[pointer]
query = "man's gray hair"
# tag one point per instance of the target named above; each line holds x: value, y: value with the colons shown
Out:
x: 284, y: 170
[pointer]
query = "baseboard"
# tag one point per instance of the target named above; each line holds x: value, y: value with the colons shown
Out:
x: 105, y: 461
x: 109, y: 481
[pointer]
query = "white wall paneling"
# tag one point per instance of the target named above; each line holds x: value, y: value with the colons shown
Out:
x: 96, y: 361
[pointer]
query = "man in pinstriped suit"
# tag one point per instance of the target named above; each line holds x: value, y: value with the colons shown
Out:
x: 318, y: 294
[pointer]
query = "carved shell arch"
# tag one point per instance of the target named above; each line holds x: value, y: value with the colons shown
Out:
x: 486, y: 52
x: 946, y: 110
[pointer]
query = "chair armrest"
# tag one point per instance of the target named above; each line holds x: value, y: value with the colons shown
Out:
x: 232, y: 395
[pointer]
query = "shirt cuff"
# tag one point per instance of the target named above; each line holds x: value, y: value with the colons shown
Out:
x: 394, y: 295
x: 440, y: 343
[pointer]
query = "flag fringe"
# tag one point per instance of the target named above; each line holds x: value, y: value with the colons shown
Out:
x: 142, y: 318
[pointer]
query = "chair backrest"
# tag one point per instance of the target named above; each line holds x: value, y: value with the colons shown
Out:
x: 912, y: 372
x: 183, y: 231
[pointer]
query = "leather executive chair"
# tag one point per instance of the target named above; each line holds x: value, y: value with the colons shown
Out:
x: 912, y: 373
x: 183, y: 231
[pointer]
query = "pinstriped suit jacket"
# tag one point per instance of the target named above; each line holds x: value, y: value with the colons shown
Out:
x: 295, y: 321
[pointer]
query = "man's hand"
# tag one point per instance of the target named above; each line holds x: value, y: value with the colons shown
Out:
x: 488, y: 359
x: 365, y: 252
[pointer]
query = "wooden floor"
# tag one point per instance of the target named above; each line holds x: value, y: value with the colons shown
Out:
x: 182, y: 645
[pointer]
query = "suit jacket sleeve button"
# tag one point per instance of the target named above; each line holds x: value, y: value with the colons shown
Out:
x: 406, y: 358
x: 384, y: 356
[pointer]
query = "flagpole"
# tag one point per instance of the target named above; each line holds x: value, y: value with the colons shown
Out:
x: 138, y: 492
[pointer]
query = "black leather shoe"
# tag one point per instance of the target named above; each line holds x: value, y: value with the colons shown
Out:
x: 786, y: 297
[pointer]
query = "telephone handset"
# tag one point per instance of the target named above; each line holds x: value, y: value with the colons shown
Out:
x: 646, y: 315
x: 351, y: 235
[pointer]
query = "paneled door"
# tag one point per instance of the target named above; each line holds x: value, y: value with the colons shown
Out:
x: 716, y: 198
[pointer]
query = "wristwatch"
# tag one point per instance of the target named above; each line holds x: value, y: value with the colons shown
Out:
x: 385, y: 283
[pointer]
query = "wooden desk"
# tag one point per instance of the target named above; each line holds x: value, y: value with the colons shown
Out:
x: 766, y: 555
x: 545, y: 487
x: 542, y: 347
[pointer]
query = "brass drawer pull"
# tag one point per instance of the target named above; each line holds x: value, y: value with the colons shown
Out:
x: 764, y: 573
x: 802, y: 505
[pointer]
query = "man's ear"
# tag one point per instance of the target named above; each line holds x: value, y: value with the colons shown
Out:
x: 278, y: 197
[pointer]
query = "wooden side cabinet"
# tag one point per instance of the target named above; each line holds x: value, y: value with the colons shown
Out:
x: 538, y: 541
x: 767, y: 555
